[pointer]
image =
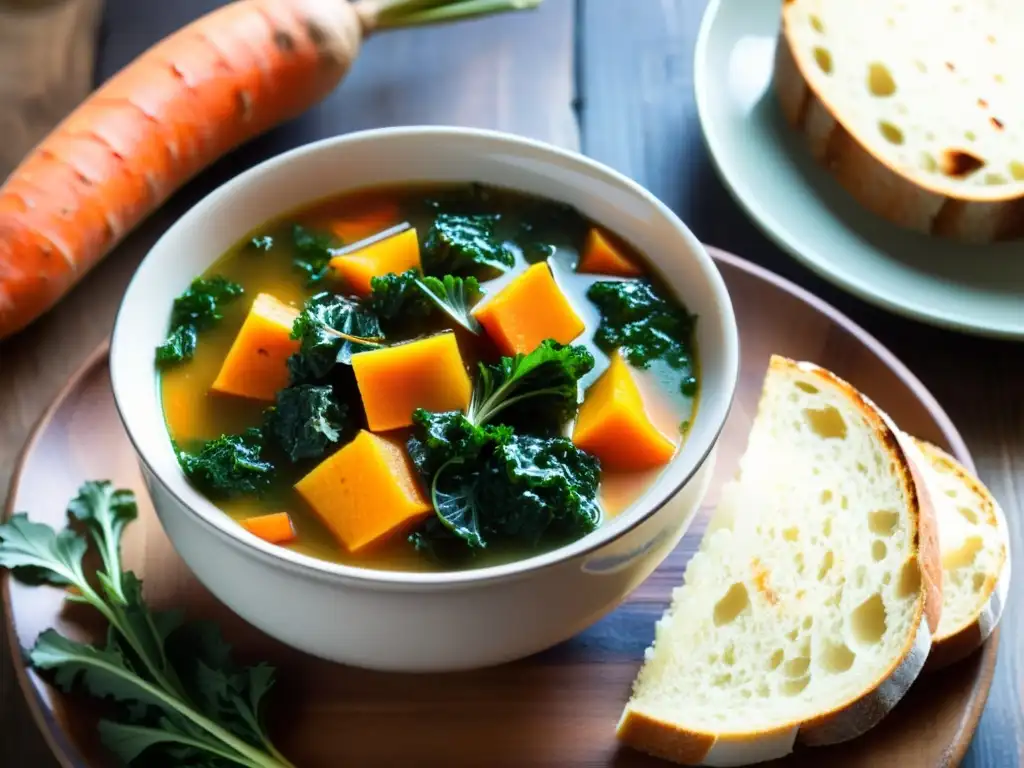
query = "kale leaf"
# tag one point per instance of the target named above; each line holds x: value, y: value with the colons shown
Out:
x: 331, y: 329
x: 644, y: 324
x: 409, y: 297
x: 306, y: 420
x: 547, y: 377
x: 465, y: 244
x: 397, y: 296
x: 231, y: 465
x: 180, y: 698
x: 546, y: 224
x: 455, y: 296
x: 440, y: 438
x: 199, y: 307
x: 313, y: 252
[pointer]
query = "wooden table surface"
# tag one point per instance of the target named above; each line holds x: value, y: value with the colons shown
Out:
x: 612, y: 78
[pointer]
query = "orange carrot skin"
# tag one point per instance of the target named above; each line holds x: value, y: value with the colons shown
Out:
x: 202, y: 91
x: 275, y: 528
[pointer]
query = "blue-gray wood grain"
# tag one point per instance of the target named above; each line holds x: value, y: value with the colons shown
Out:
x: 637, y: 114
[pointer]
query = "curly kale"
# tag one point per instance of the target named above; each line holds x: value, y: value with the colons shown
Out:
x: 331, y: 329
x: 646, y: 325
x: 396, y: 296
x: 313, y: 252
x: 465, y: 245
x: 198, y: 308
x: 306, y: 421
x: 231, y: 465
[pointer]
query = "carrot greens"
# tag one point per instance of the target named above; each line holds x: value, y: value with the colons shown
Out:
x: 178, y: 697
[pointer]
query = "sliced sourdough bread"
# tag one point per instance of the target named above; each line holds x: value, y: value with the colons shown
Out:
x: 914, y: 106
x: 975, y: 548
x: 809, y: 608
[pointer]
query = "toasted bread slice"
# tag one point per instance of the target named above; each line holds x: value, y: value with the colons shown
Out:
x: 975, y: 546
x: 913, y: 106
x: 810, y: 607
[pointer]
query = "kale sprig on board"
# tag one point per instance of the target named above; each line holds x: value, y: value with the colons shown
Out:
x: 178, y: 696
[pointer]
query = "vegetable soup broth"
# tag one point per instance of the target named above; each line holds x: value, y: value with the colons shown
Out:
x: 195, y: 414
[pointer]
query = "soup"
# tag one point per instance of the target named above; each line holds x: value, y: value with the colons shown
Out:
x: 425, y: 378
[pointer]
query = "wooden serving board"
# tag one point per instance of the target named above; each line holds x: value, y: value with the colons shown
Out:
x: 558, y: 708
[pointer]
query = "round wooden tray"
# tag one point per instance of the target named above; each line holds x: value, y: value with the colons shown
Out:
x: 558, y: 708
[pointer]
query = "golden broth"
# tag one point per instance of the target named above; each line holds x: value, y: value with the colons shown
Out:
x: 194, y: 413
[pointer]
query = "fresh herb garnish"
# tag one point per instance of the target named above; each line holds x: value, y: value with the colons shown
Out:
x: 231, y: 465
x: 195, y: 310
x: 547, y: 377
x: 262, y: 243
x: 181, y: 698
x: 489, y: 484
x: 644, y: 324
x: 331, y: 329
x: 314, y: 252
x: 306, y: 421
x: 462, y: 245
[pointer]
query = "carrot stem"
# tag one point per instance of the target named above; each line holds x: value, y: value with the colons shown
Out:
x: 414, y: 13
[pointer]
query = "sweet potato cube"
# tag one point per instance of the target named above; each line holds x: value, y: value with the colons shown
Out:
x: 256, y: 366
x: 396, y: 253
x: 365, y: 492
x: 395, y: 381
x: 613, y: 425
x: 365, y: 222
x: 601, y: 256
x: 527, y: 311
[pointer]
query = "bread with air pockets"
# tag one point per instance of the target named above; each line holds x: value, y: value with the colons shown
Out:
x: 913, y: 106
x: 975, y: 549
x: 810, y: 607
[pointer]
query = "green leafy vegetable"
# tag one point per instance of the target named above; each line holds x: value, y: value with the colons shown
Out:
x: 331, y: 328
x: 547, y: 224
x: 646, y: 325
x: 397, y: 296
x: 231, y: 465
x: 195, y: 310
x: 461, y: 244
x: 181, y: 699
x: 313, y: 252
x: 262, y: 243
x: 547, y: 377
x: 306, y: 421
x: 489, y: 484
x: 455, y: 296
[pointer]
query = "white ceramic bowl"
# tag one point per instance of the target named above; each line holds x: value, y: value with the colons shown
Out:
x: 421, y: 621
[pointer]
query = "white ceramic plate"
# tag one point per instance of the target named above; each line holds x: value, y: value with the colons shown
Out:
x: 978, y: 289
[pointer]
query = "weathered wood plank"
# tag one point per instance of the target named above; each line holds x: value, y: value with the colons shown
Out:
x: 511, y: 73
x: 637, y: 113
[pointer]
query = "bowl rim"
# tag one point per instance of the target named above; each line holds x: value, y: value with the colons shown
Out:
x: 309, y: 566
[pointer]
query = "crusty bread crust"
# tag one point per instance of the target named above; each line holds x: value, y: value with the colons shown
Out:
x: 968, y: 215
x: 967, y: 638
x: 851, y: 718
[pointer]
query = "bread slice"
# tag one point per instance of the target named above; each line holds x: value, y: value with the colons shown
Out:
x: 975, y: 547
x: 810, y: 607
x: 914, y: 106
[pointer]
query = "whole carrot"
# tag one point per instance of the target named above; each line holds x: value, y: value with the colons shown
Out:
x: 220, y: 81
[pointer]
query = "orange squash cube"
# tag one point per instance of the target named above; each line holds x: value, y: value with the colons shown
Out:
x: 394, y: 381
x: 364, y: 222
x: 397, y: 253
x: 256, y: 366
x: 365, y: 492
x: 527, y: 311
x: 601, y: 256
x: 613, y: 425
